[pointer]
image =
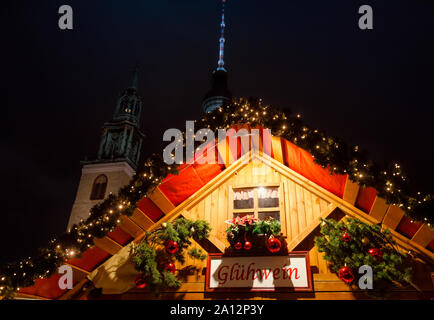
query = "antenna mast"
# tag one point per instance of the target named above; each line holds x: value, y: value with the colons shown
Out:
x: 221, y: 63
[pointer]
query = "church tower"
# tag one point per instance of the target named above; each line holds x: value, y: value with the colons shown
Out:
x: 117, y: 158
x: 219, y: 92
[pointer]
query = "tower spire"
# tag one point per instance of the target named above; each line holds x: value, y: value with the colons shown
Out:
x: 219, y: 92
x: 221, y: 62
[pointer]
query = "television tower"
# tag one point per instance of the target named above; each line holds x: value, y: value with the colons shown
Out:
x: 219, y: 92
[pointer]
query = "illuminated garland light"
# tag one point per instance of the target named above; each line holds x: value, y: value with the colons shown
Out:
x: 326, y: 151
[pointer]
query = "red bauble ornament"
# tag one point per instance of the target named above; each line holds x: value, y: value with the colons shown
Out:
x: 238, y: 245
x: 346, y: 274
x: 172, y: 247
x: 376, y: 253
x: 140, y: 281
x: 346, y: 237
x: 273, y: 245
x: 170, y: 267
x: 247, y: 245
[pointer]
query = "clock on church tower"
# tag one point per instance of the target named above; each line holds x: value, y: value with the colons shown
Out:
x: 117, y: 158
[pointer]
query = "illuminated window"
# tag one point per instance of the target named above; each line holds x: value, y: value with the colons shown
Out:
x: 262, y: 202
x: 99, y: 187
x: 243, y: 199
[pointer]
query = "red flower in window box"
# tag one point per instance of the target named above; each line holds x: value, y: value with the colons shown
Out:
x: 242, y: 221
x: 249, y: 219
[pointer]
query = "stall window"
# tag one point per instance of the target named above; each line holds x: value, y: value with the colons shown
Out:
x: 99, y: 187
x: 262, y: 202
x: 243, y: 199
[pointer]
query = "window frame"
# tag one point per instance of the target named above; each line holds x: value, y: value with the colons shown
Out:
x: 256, y: 210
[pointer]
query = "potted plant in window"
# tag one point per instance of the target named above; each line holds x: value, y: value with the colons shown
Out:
x: 240, y: 231
x: 247, y: 232
x: 265, y: 229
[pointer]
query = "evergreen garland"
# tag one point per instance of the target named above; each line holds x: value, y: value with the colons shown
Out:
x: 268, y: 226
x: 150, y: 256
x: 329, y: 152
x: 352, y: 244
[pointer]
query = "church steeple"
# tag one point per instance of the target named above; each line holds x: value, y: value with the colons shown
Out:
x: 129, y: 105
x: 118, y: 155
x: 122, y: 139
x: 219, y: 92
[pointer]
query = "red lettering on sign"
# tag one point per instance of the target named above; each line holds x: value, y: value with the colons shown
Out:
x: 276, y: 273
x: 221, y: 276
x: 262, y: 273
x: 239, y: 272
x: 232, y: 270
x: 289, y: 272
x: 266, y: 274
x: 251, y: 271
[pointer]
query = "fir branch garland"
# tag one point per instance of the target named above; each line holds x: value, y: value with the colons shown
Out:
x: 390, y: 271
x: 150, y: 256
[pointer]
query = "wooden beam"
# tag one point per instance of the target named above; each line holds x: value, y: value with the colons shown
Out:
x: 407, y: 244
x: 141, y: 219
x: 219, y: 244
x: 79, y: 274
x: 78, y: 268
x: 310, y: 228
x: 423, y: 236
x: 351, y: 191
x: 30, y: 296
x: 379, y: 209
x: 212, y: 238
x: 107, y: 244
x: 393, y: 215
x: 130, y: 227
x: 161, y: 201
x: 277, y: 149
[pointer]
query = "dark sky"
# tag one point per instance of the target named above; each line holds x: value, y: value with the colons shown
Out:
x: 373, y: 88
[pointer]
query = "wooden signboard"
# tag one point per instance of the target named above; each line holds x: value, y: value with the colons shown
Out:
x: 259, y: 273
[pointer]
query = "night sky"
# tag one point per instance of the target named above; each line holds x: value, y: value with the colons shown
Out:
x: 373, y: 88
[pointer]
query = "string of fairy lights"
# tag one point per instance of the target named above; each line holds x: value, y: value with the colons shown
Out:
x: 328, y: 152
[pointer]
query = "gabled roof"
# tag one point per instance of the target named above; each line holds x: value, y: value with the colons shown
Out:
x: 176, y: 191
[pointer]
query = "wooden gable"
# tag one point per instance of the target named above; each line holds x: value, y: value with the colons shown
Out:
x: 300, y: 208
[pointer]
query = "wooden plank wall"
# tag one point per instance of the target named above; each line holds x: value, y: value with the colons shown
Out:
x: 300, y: 208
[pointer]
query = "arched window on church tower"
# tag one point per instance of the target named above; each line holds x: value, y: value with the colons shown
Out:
x: 99, y: 187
